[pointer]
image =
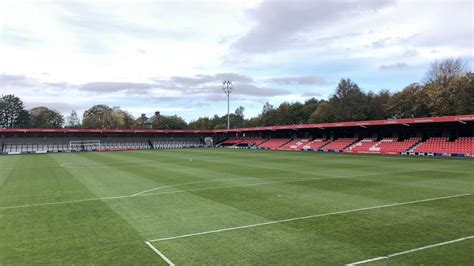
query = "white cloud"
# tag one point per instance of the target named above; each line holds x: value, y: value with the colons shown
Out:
x: 172, y: 55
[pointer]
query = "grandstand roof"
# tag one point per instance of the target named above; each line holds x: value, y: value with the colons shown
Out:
x: 407, y: 122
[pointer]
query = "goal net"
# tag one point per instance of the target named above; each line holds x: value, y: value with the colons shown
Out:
x: 84, y: 145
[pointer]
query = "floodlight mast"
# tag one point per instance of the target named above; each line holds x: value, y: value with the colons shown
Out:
x: 227, y: 88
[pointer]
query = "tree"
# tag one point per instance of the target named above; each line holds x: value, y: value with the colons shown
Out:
x: 349, y: 103
x: 441, y: 72
x: 253, y: 122
x: 462, y: 96
x: 282, y: 115
x: 267, y: 108
x: 308, y: 109
x: 122, y: 119
x: 380, y: 104
x: 408, y: 103
x: 456, y: 99
x: 98, y: 117
x: 72, y: 121
x: 11, y: 110
x: 129, y: 121
x: 43, y: 117
x: 169, y: 122
x: 200, y: 123
x: 24, y: 120
x: 441, y: 96
x: 104, y: 117
x: 239, y: 112
x: 324, y: 113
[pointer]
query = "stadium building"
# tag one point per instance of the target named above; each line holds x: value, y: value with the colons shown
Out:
x: 434, y: 136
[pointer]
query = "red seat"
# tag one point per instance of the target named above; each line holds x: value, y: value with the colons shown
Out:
x: 273, y: 144
x: 340, y: 144
x: 463, y: 145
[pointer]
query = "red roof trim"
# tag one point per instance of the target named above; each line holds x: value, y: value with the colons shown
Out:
x: 410, y: 121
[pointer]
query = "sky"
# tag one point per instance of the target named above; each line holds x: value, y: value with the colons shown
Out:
x: 172, y: 56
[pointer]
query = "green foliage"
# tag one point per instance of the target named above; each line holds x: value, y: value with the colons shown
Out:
x: 169, y: 122
x: 24, y: 120
x: 105, y: 117
x: 12, y: 112
x: 410, y: 102
x: 323, y: 113
x: 98, y: 117
x: 123, y: 119
x: 455, y: 98
x: 462, y: 94
x: 200, y: 123
x: 239, y: 117
x: 43, y: 117
x: 349, y: 102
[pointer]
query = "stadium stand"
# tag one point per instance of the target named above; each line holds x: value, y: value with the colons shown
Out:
x: 361, y: 146
x: 463, y: 145
x: 177, y: 143
x: 31, y: 145
x: 230, y: 142
x: 316, y: 144
x: 273, y: 144
x: 125, y: 144
x: 392, y: 146
x: 243, y: 142
x: 339, y: 144
x: 27, y: 145
x: 384, y: 146
x: 252, y: 142
x: 457, y: 140
x: 295, y: 145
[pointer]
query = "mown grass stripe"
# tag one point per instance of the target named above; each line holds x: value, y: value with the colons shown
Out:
x: 411, y: 251
x: 307, y: 217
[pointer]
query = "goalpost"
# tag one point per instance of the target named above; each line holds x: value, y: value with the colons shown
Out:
x: 84, y: 145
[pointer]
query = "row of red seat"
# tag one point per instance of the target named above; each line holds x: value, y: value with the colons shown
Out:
x: 316, y: 144
x: 384, y: 146
x: 340, y: 144
x: 232, y: 141
x: 274, y: 144
x: 295, y: 145
x: 361, y: 146
x: 463, y: 145
x: 244, y: 141
x: 391, y: 145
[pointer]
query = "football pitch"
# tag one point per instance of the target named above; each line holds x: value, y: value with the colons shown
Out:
x: 235, y: 207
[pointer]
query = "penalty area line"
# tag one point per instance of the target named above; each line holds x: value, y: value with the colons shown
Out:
x: 168, y: 261
x: 307, y: 217
x: 193, y: 190
x: 410, y: 251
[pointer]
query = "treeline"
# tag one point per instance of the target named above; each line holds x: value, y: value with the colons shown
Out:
x: 448, y: 89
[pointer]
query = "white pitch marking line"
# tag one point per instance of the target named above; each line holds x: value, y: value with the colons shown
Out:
x: 193, y: 190
x: 156, y: 193
x: 170, y: 263
x: 190, y: 183
x: 78, y: 165
x: 296, y: 180
x: 410, y: 251
x: 308, y: 217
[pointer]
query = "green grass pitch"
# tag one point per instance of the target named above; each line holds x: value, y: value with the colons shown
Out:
x: 234, y: 207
